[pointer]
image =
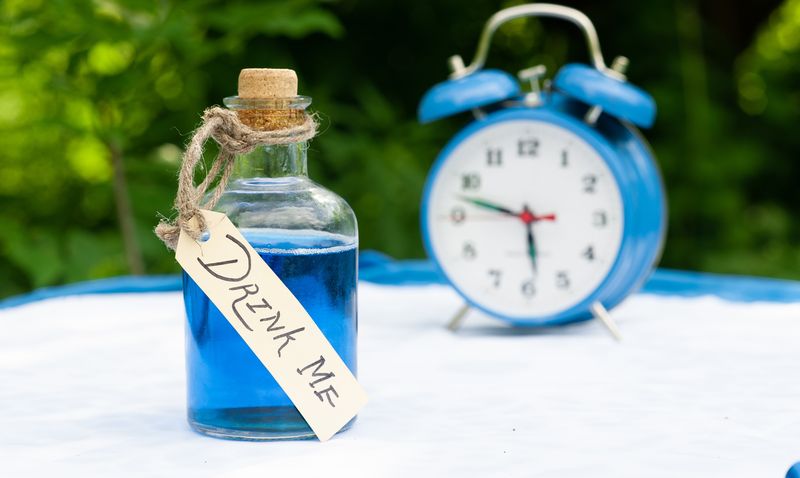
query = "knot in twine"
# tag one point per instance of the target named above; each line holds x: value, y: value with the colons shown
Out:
x: 234, y: 138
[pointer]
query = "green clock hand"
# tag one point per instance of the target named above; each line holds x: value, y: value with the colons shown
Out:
x: 531, y: 241
x: 488, y: 205
x: 526, y: 215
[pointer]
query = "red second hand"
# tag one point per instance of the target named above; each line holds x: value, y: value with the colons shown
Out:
x: 528, y: 217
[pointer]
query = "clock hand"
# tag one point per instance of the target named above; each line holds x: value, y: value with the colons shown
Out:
x: 528, y: 217
x: 488, y: 205
x: 532, y: 247
x: 527, y: 213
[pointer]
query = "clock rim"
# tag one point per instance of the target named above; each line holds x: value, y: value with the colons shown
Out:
x: 580, y: 310
x: 651, y: 199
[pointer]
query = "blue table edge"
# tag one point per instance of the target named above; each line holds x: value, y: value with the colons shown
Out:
x: 378, y: 268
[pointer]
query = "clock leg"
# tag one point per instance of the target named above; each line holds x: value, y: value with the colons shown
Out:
x: 458, y: 319
x: 601, y: 313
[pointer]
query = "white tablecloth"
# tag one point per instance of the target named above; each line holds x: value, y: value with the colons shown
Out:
x: 94, y: 386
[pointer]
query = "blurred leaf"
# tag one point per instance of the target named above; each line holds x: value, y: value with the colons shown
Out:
x: 292, y: 19
x: 91, y: 256
x: 36, y: 253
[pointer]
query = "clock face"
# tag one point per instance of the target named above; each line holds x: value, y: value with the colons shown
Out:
x: 525, y: 218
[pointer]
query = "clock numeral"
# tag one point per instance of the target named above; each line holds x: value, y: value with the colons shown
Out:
x: 470, y: 181
x: 562, y: 280
x: 468, y: 251
x: 528, y: 289
x: 494, y: 157
x: 564, y: 159
x: 496, y: 275
x: 599, y: 219
x: 528, y: 147
x: 457, y: 215
x: 588, y: 253
x: 589, y: 183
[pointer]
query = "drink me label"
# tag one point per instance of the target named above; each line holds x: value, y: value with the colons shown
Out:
x: 273, y: 323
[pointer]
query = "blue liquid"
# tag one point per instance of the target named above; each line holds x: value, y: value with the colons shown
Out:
x: 230, y: 393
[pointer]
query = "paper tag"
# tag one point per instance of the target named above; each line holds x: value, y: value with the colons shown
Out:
x: 273, y: 323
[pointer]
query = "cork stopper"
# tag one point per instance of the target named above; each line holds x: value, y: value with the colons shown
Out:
x: 267, y: 99
x: 267, y: 83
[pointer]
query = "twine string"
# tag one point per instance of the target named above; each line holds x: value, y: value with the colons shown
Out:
x: 234, y: 138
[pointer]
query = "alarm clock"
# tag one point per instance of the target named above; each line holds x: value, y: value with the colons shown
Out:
x: 548, y: 208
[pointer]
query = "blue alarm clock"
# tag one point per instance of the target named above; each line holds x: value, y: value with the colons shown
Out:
x: 548, y: 208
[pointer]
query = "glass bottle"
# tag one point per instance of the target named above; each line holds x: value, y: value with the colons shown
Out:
x: 308, y: 236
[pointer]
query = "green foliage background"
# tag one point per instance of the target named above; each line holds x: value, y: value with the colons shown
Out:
x: 98, y: 97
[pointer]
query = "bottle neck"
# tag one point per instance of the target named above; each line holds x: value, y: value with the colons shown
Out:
x: 272, y: 161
